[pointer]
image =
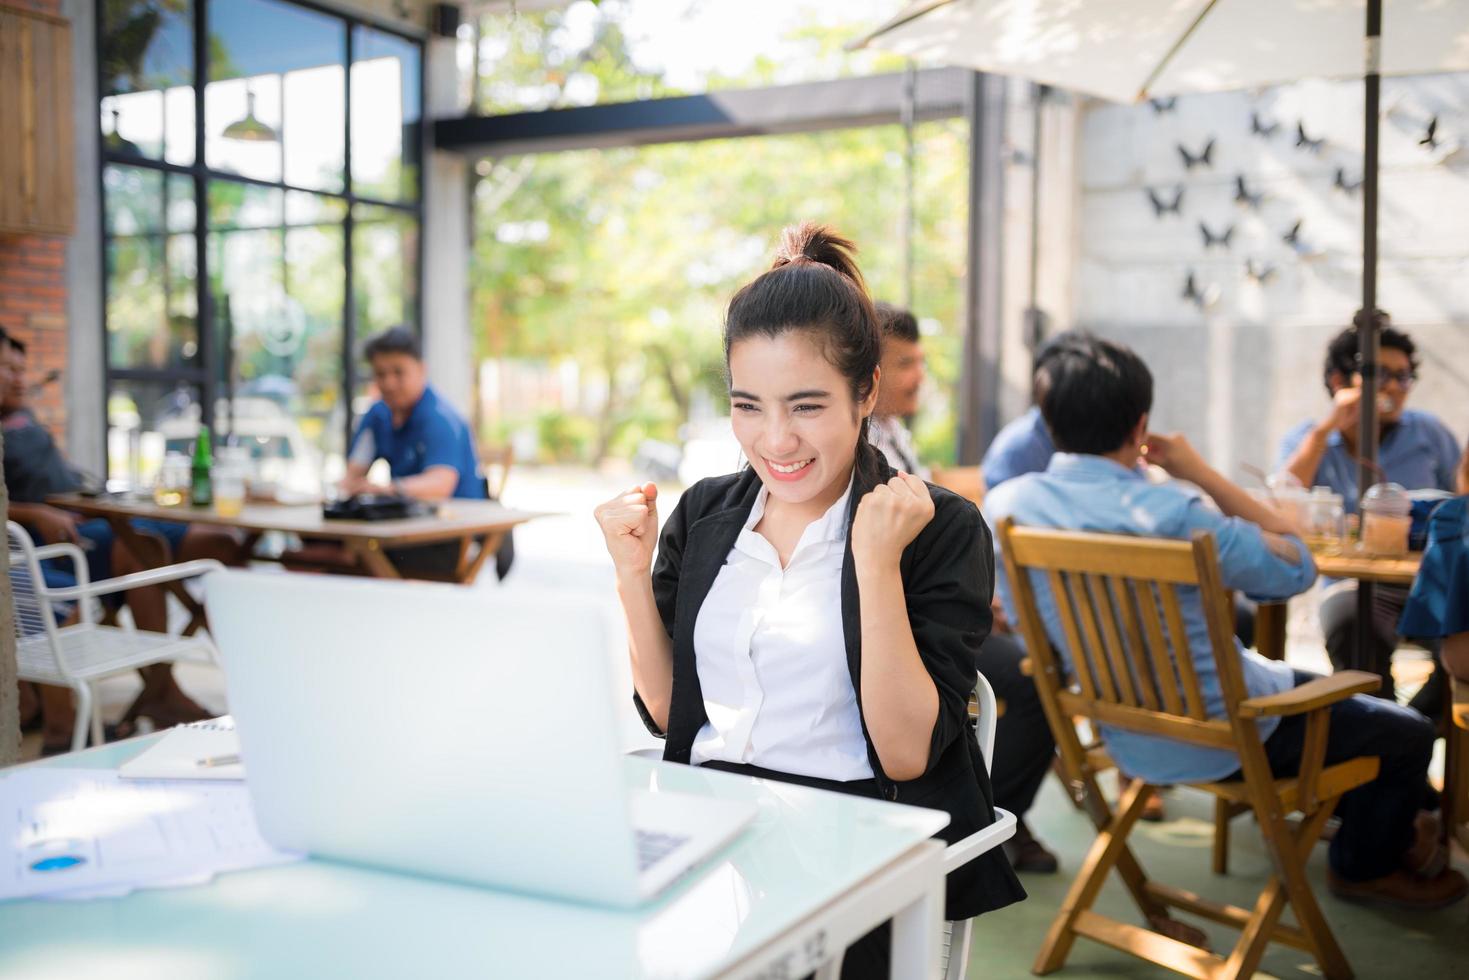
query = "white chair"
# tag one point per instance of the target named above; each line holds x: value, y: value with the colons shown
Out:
x: 954, y: 948
x: 954, y: 952
x: 83, y: 651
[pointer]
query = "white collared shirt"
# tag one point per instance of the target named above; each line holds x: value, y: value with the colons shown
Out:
x: 772, y: 656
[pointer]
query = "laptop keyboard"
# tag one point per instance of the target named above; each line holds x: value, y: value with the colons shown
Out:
x: 654, y: 847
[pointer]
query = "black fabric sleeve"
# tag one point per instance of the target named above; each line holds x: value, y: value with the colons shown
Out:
x: 948, y: 590
x: 667, y: 567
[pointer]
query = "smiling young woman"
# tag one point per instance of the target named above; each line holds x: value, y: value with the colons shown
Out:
x: 814, y: 617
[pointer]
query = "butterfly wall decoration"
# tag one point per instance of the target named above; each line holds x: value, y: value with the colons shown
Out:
x: 1214, y: 239
x: 1162, y: 207
x: 1201, y: 159
x: 1243, y: 196
x: 1307, y: 143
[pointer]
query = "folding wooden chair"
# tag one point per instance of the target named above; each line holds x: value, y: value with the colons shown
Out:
x: 1456, y: 766
x: 1122, y: 622
x: 966, y: 481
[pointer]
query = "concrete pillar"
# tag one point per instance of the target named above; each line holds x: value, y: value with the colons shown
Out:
x: 979, y: 382
x: 86, y: 422
x: 1049, y: 170
x: 448, y: 344
x: 9, y: 689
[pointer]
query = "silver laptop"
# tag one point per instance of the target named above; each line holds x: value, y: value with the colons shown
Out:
x: 443, y: 731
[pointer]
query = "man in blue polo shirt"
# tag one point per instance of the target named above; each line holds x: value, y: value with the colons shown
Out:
x: 427, y: 444
x: 1415, y: 450
x: 1097, y: 406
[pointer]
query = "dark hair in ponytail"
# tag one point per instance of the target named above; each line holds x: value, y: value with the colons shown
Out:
x: 814, y: 286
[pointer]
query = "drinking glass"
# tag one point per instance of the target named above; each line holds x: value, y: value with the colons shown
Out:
x: 171, y: 488
x: 229, y: 476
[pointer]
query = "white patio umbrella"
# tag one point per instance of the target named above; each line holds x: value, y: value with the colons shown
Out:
x: 1129, y: 50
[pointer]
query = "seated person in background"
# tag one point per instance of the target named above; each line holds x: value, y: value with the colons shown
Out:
x: 36, y: 468
x: 1025, y: 446
x: 1415, y: 450
x: 1438, y: 605
x: 427, y: 443
x: 1096, y: 405
x: 1024, y: 746
x: 897, y: 395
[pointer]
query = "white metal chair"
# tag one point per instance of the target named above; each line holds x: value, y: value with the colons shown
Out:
x: 83, y: 651
x: 954, y: 951
x: 954, y: 947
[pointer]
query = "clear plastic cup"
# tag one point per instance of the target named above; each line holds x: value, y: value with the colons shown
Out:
x: 230, y: 477
x: 171, y: 488
x: 1327, y: 525
x: 1386, y: 520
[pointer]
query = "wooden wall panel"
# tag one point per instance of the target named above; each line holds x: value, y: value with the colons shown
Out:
x: 36, y: 192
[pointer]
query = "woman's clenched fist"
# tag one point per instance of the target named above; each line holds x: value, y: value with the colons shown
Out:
x: 629, y: 522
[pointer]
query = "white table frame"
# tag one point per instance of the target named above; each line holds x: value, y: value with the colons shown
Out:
x: 910, y: 891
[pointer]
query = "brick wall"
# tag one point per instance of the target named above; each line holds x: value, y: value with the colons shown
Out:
x: 33, y: 308
x: 33, y: 293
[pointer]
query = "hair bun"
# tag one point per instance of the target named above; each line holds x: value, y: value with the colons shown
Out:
x: 812, y: 242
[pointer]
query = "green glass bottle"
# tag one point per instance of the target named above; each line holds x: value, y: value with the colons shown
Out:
x: 200, y: 491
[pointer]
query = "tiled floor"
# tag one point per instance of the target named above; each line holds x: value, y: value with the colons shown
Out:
x: 1377, y: 942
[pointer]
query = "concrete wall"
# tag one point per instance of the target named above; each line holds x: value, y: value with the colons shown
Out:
x: 1238, y: 370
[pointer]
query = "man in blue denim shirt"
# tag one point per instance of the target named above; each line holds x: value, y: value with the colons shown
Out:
x: 1416, y: 450
x: 1096, y: 403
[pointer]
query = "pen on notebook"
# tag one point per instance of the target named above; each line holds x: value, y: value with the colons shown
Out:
x: 219, y: 760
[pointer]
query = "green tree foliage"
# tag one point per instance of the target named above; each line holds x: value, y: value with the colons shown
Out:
x: 623, y: 260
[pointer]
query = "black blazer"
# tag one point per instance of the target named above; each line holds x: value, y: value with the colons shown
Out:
x: 948, y: 578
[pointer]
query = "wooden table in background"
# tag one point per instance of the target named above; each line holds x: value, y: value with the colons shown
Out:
x: 1270, y: 617
x: 461, y: 521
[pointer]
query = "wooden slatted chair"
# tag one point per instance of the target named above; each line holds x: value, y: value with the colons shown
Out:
x: 966, y: 481
x: 1121, y: 616
x: 1456, y: 766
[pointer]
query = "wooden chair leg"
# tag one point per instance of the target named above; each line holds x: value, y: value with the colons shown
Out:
x: 1067, y: 785
x: 1106, y: 851
x: 1221, y: 835
x: 1329, y: 955
x: 1289, y: 885
x: 96, y: 719
x: 1094, y: 804
x: 1255, y: 936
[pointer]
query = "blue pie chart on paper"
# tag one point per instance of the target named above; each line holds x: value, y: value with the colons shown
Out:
x: 60, y: 862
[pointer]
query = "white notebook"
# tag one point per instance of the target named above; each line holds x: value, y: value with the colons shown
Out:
x: 178, y: 753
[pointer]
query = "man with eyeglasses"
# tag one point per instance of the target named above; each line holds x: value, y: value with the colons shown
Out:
x: 1415, y: 450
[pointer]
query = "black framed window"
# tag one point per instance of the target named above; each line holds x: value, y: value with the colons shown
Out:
x: 256, y: 227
